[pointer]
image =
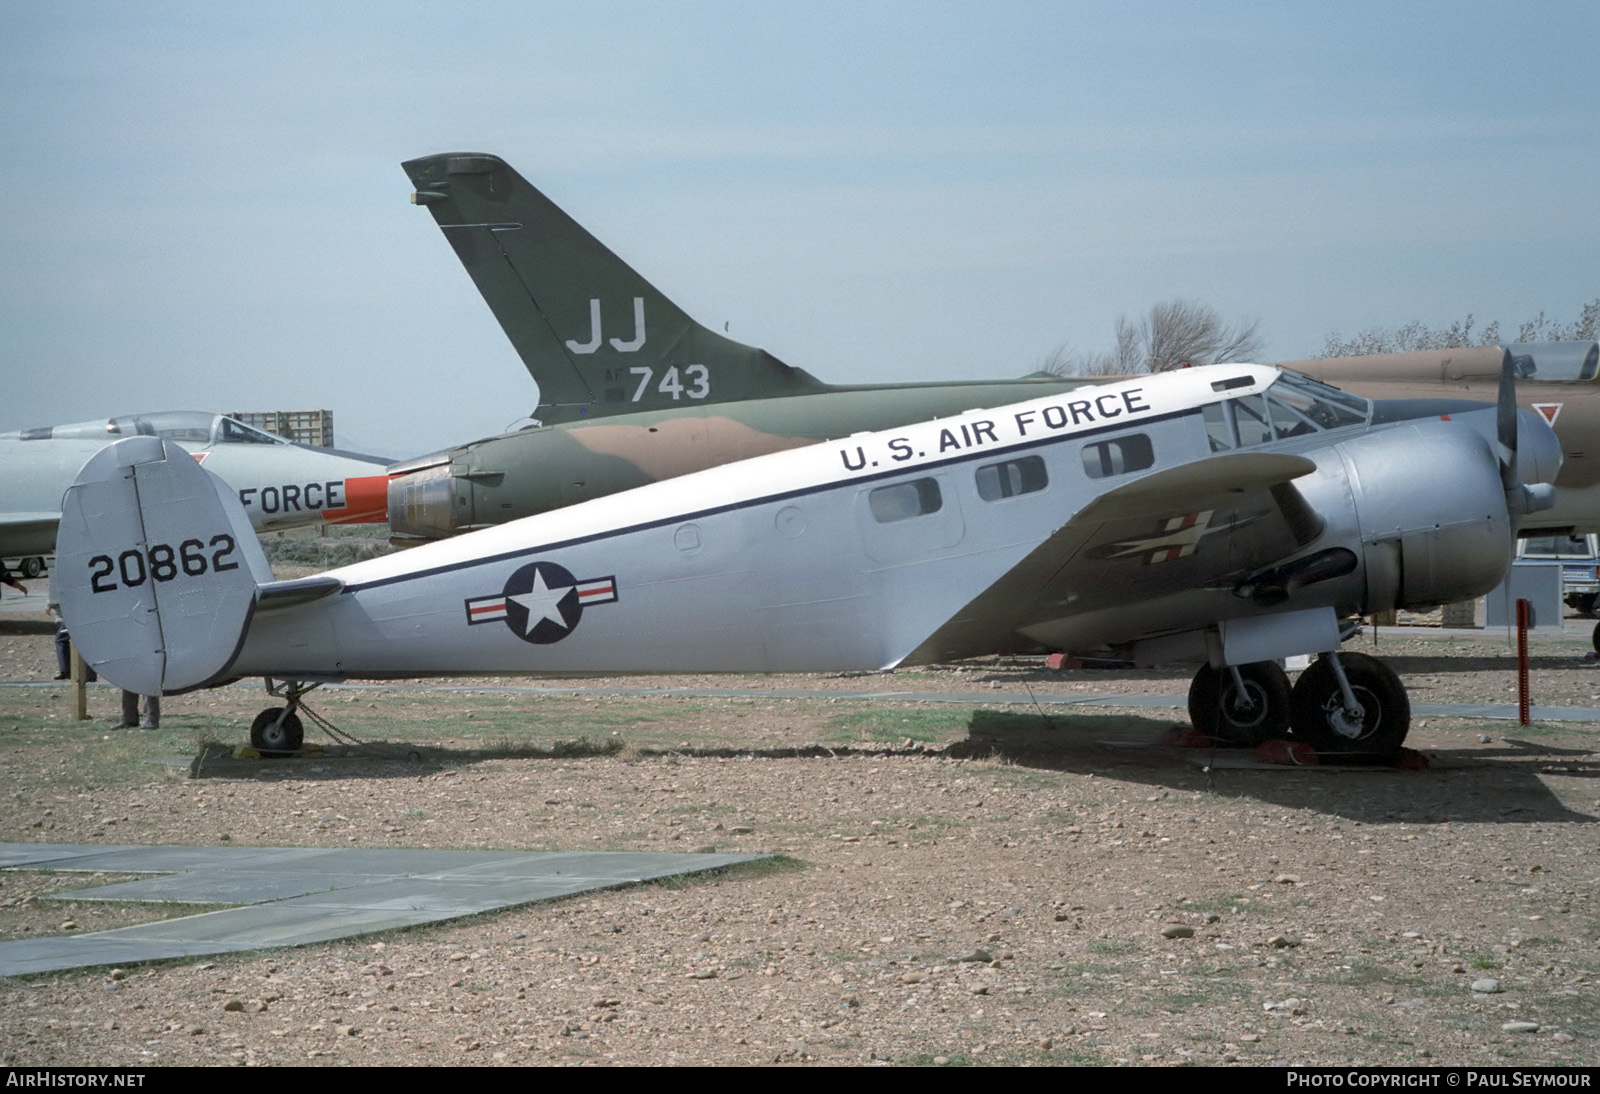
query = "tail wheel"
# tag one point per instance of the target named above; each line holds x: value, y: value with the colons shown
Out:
x: 276, y: 732
x: 1222, y: 712
x: 1317, y: 709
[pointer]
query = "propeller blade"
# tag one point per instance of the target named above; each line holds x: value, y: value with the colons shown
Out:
x: 1506, y: 423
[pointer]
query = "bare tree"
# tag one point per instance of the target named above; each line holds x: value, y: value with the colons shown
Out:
x: 1419, y: 336
x: 1170, y: 335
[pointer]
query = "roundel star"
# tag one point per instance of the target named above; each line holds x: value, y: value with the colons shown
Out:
x: 542, y: 603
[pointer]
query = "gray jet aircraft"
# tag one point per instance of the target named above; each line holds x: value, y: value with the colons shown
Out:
x: 1230, y: 515
x: 280, y: 484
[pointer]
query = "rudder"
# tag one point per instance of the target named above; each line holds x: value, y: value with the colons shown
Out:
x: 597, y: 338
x: 156, y: 567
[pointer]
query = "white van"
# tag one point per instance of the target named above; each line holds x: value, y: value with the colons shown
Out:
x: 1580, y: 569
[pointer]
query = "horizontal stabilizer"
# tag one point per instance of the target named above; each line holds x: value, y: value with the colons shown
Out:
x: 28, y: 533
x: 156, y: 567
x: 286, y: 594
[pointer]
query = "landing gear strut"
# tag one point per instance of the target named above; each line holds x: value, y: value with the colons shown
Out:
x: 1350, y: 703
x: 1240, y: 705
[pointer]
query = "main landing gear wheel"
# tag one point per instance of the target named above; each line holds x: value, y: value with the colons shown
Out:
x: 276, y: 732
x: 1317, y: 706
x: 1243, y: 718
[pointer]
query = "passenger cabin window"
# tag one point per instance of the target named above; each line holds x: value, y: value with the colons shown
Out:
x: 1013, y: 477
x: 904, y: 500
x: 1119, y: 456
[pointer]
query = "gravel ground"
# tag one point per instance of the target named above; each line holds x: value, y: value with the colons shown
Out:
x: 954, y: 885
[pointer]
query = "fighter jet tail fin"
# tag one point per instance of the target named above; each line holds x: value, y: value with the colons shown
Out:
x: 157, y: 568
x: 597, y: 338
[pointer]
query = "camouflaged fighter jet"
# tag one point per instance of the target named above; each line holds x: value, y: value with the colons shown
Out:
x: 631, y: 390
x: 1230, y: 515
x: 1559, y: 380
x: 281, y: 484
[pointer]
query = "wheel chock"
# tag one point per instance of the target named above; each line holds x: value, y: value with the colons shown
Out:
x: 1292, y: 753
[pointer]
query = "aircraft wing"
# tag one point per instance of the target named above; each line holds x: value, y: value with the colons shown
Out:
x: 28, y: 533
x: 1137, y: 557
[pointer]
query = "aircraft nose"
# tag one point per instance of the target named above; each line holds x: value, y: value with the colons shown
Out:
x: 1538, y: 450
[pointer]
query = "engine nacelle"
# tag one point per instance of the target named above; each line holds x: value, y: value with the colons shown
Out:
x: 1428, y: 538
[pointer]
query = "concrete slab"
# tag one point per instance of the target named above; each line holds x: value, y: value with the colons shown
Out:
x: 292, y: 896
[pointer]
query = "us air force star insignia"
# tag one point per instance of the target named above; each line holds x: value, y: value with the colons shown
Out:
x: 1177, y: 539
x: 542, y: 602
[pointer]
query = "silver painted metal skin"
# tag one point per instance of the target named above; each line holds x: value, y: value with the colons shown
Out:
x: 782, y: 562
x: 37, y: 466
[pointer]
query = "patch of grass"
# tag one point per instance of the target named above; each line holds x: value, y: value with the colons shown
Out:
x: 1222, y: 904
x: 1107, y: 945
x: 1067, y: 986
x: 1179, y: 1001
x: 1369, y: 973
x: 889, y: 724
x: 1537, y: 730
x: 579, y: 748
x: 322, y: 553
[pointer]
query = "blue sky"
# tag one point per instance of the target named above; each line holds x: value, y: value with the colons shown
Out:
x: 208, y: 210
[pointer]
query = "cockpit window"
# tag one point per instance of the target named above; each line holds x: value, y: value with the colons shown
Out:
x: 198, y: 427
x: 1556, y: 362
x: 1250, y: 415
x: 1325, y: 407
x: 175, y: 425
x: 235, y: 432
x: 1219, y: 427
x: 1294, y: 406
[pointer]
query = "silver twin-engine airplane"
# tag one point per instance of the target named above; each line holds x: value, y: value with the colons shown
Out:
x: 1231, y: 515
